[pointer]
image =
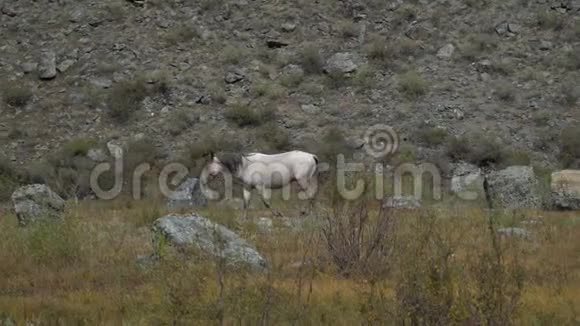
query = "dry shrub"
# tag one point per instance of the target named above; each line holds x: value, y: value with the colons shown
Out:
x: 16, y: 95
x: 310, y: 59
x: 10, y: 178
x: 359, y: 238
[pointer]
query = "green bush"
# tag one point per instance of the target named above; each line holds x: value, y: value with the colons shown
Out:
x: 476, y: 148
x: 181, y: 34
x: 570, y: 146
x: 79, y: 146
x: 244, y: 116
x: 125, y: 98
x: 549, y: 20
x: 475, y: 45
x: 267, y: 89
x: 378, y: 50
x: 347, y: 29
x: 180, y: 120
x: 292, y: 79
x: 331, y: 143
x: 53, y: 244
x: 274, y: 137
x: 505, y: 92
x: 412, y: 85
x: 15, y: 94
x: 9, y: 179
x: 432, y: 136
x: 571, y: 93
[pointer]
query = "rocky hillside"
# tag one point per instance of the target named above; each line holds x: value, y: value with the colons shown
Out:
x: 457, y: 79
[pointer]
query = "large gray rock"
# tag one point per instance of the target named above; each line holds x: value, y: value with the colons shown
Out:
x: 37, y: 202
x: 446, y: 51
x: 192, y: 231
x: 514, y: 232
x: 47, y: 65
x: 565, y: 188
x: 343, y: 62
x: 404, y: 202
x: 188, y: 194
x: 467, y: 181
x: 514, y: 187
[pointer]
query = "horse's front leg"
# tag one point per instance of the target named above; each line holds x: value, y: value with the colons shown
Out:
x: 247, y: 193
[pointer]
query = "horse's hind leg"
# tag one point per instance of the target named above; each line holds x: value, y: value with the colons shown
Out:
x: 266, y: 196
x: 247, y: 193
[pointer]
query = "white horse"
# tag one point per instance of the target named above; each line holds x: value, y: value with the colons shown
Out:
x: 265, y: 172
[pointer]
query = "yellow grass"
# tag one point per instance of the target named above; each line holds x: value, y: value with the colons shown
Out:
x: 85, y: 272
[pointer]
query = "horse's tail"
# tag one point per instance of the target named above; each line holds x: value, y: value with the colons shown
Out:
x: 316, y: 170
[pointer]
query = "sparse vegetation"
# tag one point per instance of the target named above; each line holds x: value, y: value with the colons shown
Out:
x: 245, y: 116
x: 232, y: 55
x: 505, y: 92
x: 541, y: 118
x: 364, y: 78
x: 292, y: 79
x: 549, y: 20
x: 9, y: 178
x: 274, y: 137
x: 181, y: 34
x: 571, y: 92
x: 180, y: 120
x: 432, y: 136
x: 16, y: 94
x: 476, y: 45
x: 477, y: 148
x: 125, y: 98
x: 347, y: 29
x: 379, y: 50
x: 412, y: 85
x: 268, y: 89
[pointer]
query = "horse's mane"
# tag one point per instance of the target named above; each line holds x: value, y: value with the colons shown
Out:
x: 232, y: 161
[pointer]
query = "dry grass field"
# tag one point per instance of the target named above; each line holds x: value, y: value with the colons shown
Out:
x: 421, y: 267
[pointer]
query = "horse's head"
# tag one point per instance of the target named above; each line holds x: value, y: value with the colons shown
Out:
x: 214, y: 165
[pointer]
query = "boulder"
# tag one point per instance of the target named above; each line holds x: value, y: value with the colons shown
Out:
x: 343, y: 62
x: 467, y: 181
x: 97, y: 155
x: 565, y: 189
x: 233, y: 77
x: 192, y: 231
x: 512, y: 188
x: 35, y: 203
x: 402, y: 202
x: 446, y: 52
x: 514, y: 232
x: 188, y: 194
x: 310, y: 108
x: 47, y: 65
x: 288, y: 27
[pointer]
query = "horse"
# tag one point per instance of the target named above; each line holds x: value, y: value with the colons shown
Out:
x: 264, y: 172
